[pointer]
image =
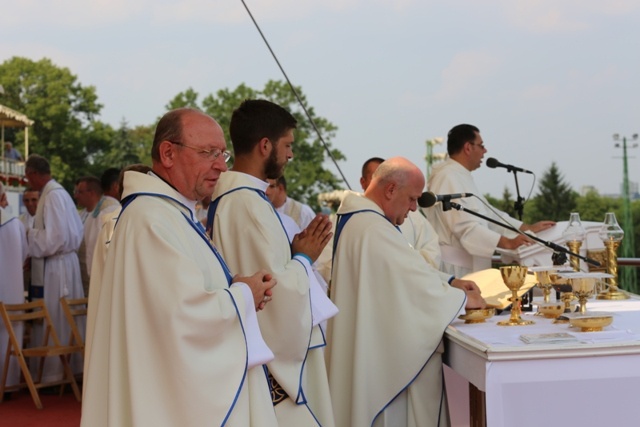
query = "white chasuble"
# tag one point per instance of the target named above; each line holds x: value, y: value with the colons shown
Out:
x: 394, y: 308
x: 13, y: 253
x: 168, y: 344
x: 250, y: 236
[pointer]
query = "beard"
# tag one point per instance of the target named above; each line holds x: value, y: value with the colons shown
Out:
x: 272, y: 169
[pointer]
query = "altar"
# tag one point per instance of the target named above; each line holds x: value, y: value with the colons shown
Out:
x: 593, y: 380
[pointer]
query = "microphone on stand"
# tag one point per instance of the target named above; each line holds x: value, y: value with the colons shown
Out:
x: 429, y: 198
x: 493, y: 163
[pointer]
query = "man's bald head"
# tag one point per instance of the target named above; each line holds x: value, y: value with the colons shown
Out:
x: 396, y: 186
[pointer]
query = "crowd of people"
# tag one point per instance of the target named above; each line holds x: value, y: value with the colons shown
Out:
x: 205, y: 302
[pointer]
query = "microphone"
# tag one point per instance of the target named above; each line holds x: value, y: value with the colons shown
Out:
x: 429, y: 198
x: 493, y: 163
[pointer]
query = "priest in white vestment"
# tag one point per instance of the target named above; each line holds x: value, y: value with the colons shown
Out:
x: 301, y: 213
x: 13, y: 253
x: 419, y: 233
x: 384, y: 348
x: 30, y: 199
x: 249, y: 234
x: 55, y: 269
x: 175, y: 341
x: 467, y: 241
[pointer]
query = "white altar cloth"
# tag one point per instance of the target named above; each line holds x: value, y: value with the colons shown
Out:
x: 591, y: 382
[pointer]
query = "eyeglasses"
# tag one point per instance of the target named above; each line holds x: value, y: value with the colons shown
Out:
x: 207, y: 154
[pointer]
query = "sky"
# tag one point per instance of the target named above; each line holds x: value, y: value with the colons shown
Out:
x: 544, y: 80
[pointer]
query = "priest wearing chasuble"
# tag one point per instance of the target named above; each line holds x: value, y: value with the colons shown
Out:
x: 384, y: 348
x: 175, y: 341
x: 240, y: 212
x: 467, y: 241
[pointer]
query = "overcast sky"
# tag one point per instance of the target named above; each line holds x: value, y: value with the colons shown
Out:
x: 544, y: 80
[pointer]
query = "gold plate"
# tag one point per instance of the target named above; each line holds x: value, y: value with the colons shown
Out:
x: 590, y: 323
x: 477, y: 315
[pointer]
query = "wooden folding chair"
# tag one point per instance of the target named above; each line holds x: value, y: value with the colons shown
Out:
x: 73, y: 308
x: 35, y: 311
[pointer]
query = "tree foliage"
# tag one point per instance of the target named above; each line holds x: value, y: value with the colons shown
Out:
x: 64, y: 111
x: 555, y: 199
x: 306, y: 175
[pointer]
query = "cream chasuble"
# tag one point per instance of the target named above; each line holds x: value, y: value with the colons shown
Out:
x: 13, y: 253
x: 420, y: 234
x: 385, y: 342
x: 250, y: 237
x: 168, y: 345
x: 467, y: 242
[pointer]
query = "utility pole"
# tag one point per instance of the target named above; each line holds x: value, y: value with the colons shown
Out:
x: 431, y: 158
x: 629, y: 279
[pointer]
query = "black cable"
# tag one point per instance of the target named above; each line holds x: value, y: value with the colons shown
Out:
x: 326, y: 147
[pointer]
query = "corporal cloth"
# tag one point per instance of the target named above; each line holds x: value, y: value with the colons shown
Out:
x: 250, y: 236
x: 170, y: 337
x: 13, y: 253
x: 385, y: 343
x: 55, y: 270
x: 467, y: 241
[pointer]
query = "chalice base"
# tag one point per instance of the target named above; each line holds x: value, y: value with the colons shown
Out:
x: 515, y: 322
x: 591, y: 329
x: 612, y: 295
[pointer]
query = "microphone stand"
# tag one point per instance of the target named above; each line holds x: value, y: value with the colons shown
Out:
x: 558, y: 250
x: 448, y: 205
x: 518, y: 205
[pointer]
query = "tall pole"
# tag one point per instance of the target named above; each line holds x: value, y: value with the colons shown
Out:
x: 431, y: 158
x: 628, y: 275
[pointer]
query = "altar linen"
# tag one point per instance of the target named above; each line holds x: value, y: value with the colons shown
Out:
x: 385, y: 345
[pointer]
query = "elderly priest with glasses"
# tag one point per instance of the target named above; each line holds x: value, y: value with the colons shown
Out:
x: 176, y: 340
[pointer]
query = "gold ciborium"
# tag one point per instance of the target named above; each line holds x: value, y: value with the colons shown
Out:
x: 514, y: 277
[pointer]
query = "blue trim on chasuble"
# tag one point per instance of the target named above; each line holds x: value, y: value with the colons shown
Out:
x: 200, y: 230
x: 213, y: 206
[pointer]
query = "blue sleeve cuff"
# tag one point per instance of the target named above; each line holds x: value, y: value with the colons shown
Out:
x: 303, y: 256
x: 451, y: 279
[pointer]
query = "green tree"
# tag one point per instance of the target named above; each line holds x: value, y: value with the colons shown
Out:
x: 556, y: 199
x: 65, y: 130
x: 306, y: 175
x: 122, y: 149
x: 592, y: 206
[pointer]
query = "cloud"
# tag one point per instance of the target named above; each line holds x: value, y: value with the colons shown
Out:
x: 562, y: 16
x: 96, y: 13
x: 466, y: 72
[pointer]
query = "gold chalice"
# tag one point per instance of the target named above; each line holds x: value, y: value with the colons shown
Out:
x: 514, y: 277
x: 545, y: 283
x: 583, y: 289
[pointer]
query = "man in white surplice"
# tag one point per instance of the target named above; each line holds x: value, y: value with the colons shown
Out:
x: 55, y: 270
x: 175, y: 341
x: 467, y: 241
x: 384, y: 348
x: 13, y: 253
x: 240, y: 212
